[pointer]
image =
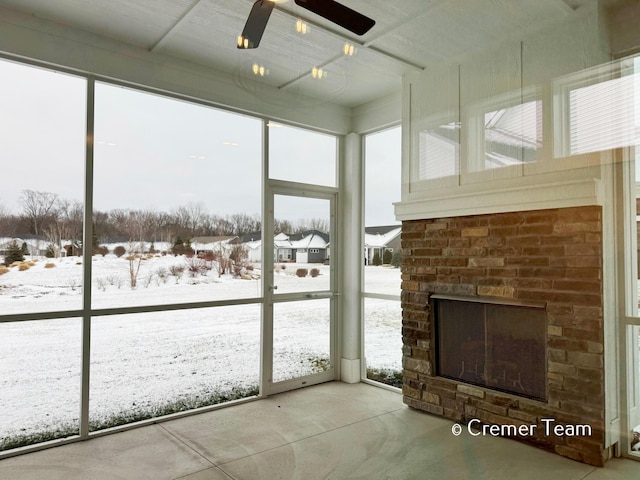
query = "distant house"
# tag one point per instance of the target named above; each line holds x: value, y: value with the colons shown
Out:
x: 380, y: 239
x: 212, y: 244
x: 36, y: 246
x: 311, y: 246
x: 253, y: 245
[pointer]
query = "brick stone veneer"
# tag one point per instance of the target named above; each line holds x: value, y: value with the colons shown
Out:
x: 550, y: 256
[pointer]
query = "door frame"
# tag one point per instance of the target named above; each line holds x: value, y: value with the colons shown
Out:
x: 293, y: 189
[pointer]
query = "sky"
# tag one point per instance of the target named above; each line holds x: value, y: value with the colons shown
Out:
x: 154, y: 152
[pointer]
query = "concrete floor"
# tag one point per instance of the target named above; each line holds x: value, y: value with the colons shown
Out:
x: 334, y: 430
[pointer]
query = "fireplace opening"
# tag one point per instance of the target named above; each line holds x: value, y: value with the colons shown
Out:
x: 501, y: 346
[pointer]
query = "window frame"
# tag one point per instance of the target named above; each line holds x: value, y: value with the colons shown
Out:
x: 86, y: 312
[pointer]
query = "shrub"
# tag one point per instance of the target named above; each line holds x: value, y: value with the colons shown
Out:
x: 24, y: 248
x: 319, y: 364
x: 135, y: 261
x: 3, y: 269
x: 162, y: 274
x: 176, y: 271
x: 196, y: 265
x: 386, y: 257
x: 301, y: 272
x: 376, y: 259
x: 49, y: 265
x: 115, y: 280
x: 314, y: 272
x: 386, y: 376
x: 101, y: 283
x: 50, y: 252
x: 23, y: 266
x: 14, y: 254
x: 119, y: 251
x: 101, y: 250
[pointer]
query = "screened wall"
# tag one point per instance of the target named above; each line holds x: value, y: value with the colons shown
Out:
x: 140, y: 261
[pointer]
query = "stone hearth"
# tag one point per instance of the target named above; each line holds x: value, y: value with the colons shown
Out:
x: 552, y: 257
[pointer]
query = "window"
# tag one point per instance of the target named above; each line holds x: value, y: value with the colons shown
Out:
x: 302, y: 156
x: 177, y: 194
x: 172, y: 361
x: 602, y: 115
x: 512, y: 135
x: 439, y: 152
x: 42, y: 138
x: 382, y: 257
x: 173, y: 315
x: 39, y: 380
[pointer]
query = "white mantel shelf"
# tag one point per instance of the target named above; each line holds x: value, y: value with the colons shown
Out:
x: 461, y: 201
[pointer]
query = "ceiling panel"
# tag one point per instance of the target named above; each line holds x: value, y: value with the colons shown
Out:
x: 137, y: 22
x: 409, y: 35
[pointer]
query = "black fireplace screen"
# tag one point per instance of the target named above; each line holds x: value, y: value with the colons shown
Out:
x: 497, y: 346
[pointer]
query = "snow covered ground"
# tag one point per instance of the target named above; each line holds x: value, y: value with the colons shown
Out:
x: 140, y: 362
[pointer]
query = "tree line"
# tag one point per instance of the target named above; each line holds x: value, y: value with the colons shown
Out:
x: 46, y: 214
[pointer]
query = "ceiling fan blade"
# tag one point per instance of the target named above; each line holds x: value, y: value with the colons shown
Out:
x: 256, y: 23
x: 339, y: 14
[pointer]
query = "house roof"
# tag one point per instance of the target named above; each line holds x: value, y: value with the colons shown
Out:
x: 213, y: 239
x: 381, y: 239
x: 381, y: 230
x: 308, y: 239
x: 210, y: 242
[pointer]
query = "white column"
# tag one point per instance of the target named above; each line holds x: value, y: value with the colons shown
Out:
x: 350, y: 316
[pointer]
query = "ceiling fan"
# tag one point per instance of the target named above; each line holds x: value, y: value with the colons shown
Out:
x: 331, y: 10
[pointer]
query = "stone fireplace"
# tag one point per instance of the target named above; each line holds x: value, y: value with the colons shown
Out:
x: 484, y: 296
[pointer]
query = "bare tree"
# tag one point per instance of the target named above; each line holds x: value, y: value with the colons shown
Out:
x: 319, y: 224
x: 8, y: 222
x: 71, y: 220
x: 190, y: 219
x: 66, y: 225
x: 38, y: 207
x: 134, y: 259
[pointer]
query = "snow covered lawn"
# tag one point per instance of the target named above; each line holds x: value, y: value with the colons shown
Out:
x: 142, y: 363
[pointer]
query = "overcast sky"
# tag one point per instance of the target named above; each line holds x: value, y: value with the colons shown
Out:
x: 152, y: 152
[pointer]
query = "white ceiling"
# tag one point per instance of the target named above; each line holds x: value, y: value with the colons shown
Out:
x: 409, y: 35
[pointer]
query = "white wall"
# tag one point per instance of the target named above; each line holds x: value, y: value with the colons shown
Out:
x: 460, y: 93
x: 377, y: 115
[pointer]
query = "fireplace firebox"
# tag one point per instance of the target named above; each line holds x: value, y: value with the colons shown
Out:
x: 492, y: 344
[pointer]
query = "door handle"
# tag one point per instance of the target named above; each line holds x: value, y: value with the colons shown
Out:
x: 319, y: 295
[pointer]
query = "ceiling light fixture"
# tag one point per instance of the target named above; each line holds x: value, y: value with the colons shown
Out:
x: 259, y: 70
x: 318, y: 73
x: 302, y: 27
x: 243, y: 42
x: 349, y: 49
